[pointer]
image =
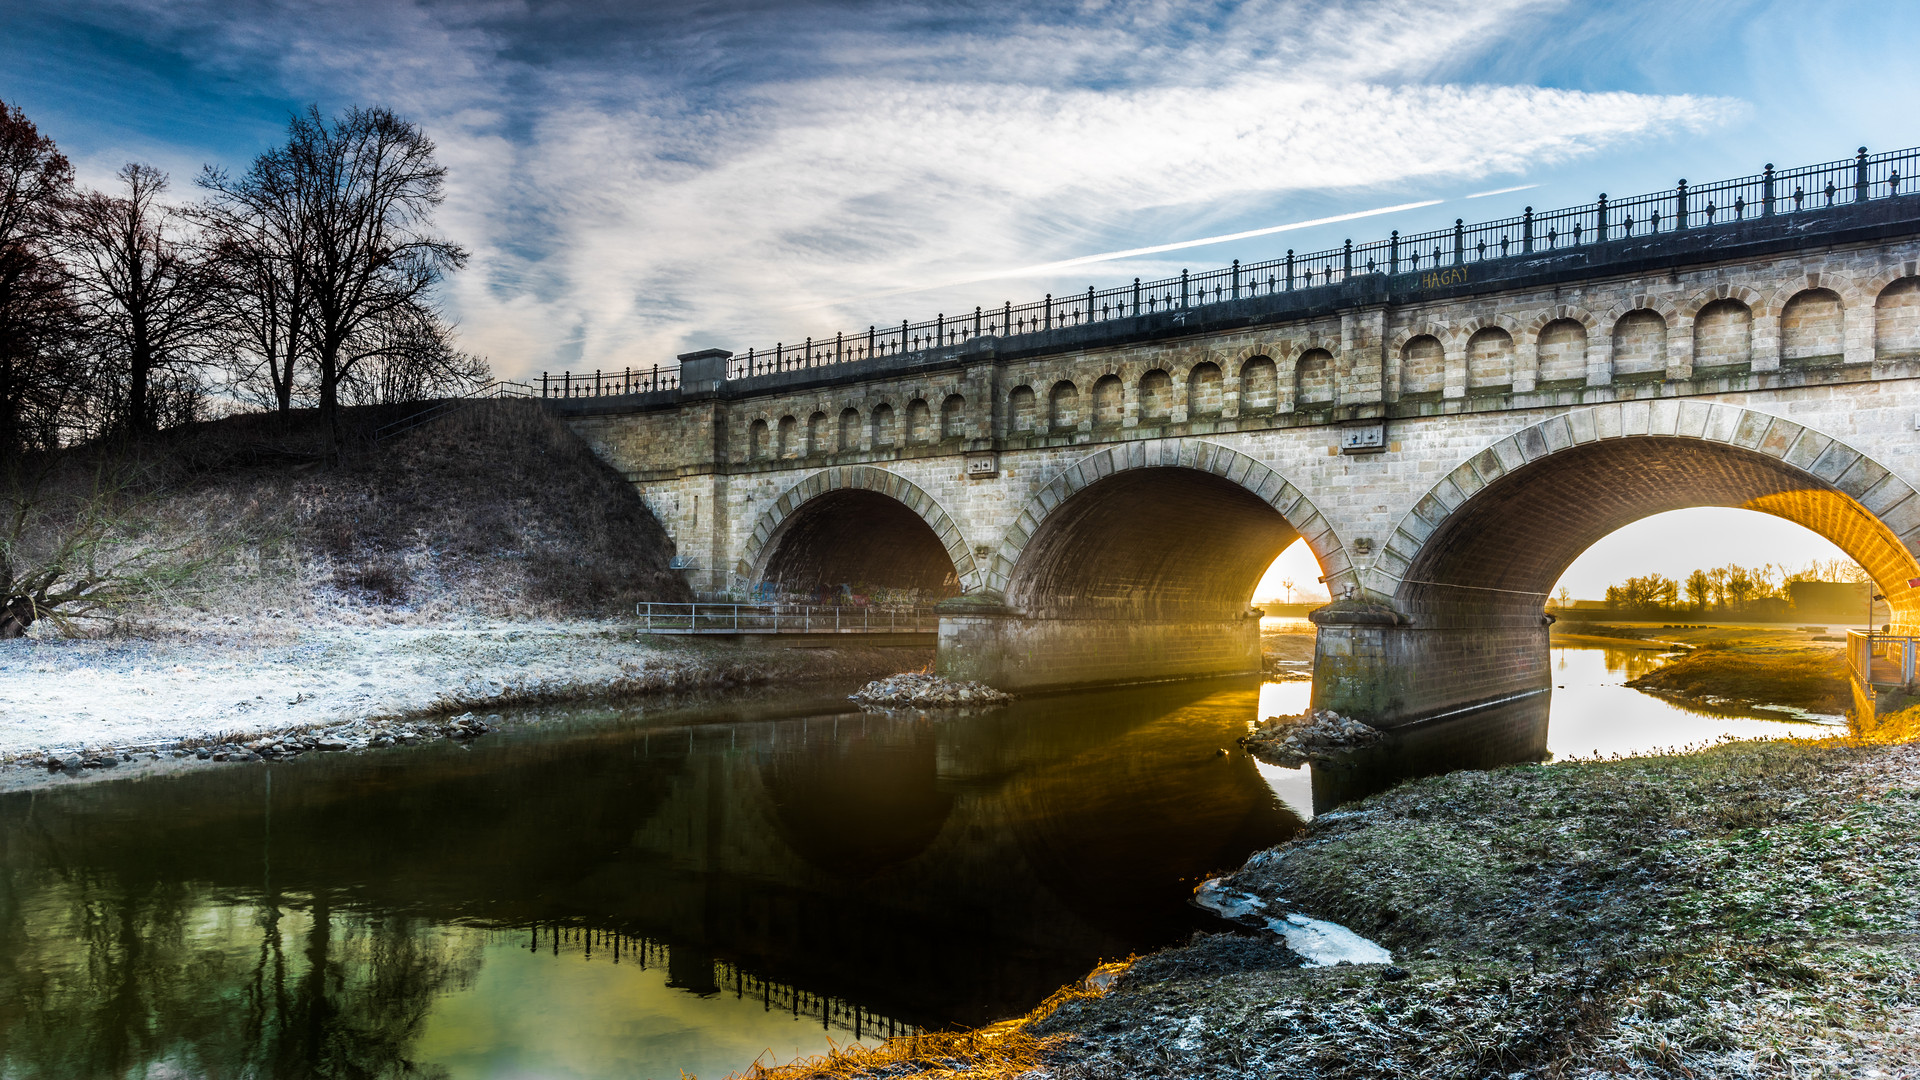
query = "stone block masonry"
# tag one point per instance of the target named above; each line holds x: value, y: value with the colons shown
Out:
x: 1099, y: 508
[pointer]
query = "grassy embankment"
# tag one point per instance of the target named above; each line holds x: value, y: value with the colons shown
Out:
x: 494, y: 510
x: 1738, y: 666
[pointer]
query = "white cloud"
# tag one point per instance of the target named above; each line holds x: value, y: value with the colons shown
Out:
x: 621, y: 209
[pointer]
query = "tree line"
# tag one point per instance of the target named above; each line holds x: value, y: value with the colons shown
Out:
x: 308, y: 280
x: 1760, y: 591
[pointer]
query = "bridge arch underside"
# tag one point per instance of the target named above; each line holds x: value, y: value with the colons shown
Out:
x: 860, y: 539
x: 1143, y: 574
x: 1472, y: 601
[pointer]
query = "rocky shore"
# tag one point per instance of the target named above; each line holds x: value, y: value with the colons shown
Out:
x: 1315, y: 735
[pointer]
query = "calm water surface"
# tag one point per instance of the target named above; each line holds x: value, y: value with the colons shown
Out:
x: 608, y: 893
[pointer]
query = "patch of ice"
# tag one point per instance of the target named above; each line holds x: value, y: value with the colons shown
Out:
x: 1225, y: 902
x: 1324, y: 944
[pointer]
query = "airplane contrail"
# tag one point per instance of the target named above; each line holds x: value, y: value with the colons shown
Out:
x: 1110, y: 256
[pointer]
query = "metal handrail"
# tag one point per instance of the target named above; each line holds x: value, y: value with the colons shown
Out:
x: 712, y: 618
x: 1900, y: 652
x: 494, y: 389
x: 1768, y: 193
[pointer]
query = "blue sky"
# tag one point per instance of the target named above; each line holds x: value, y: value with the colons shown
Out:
x: 636, y: 180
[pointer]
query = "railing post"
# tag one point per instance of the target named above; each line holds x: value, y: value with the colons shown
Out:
x: 1526, y: 232
x: 1089, y: 303
x: 903, y: 335
x: 838, y: 345
x: 808, y: 362
x: 940, y: 330
x: 1459, y: 242
x: 543, y: 384
x: 1766, y: 191
x: 1860, y: 176
x: 779, y: 355
x: 1346, y: 260
x: 1236, y: 278
x: 871, y: 332
x: 566, y: 384
x: 1601, y: 207
x: 976, y: 321
x: 1048, y: 312
x: 1680, y: 205
x: 1136, y: 297
x: 1183, y: 287
x: 1006, y: 320
x: 1393, y: 256
x: 1289, y: 269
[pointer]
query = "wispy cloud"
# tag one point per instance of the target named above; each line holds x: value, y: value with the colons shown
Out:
x: 633, y: 183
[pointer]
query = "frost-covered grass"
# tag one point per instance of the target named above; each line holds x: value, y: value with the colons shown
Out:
x: 1752, y: 909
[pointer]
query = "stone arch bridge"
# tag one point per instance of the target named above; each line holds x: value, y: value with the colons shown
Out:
x: 1097, y: 496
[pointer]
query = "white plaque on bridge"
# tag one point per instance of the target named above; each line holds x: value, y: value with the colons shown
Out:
x: 982, y: 463
x: 1364, y: 438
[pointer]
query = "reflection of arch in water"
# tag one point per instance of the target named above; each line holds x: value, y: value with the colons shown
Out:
x: 1155, y: 792
x: 853, y: 807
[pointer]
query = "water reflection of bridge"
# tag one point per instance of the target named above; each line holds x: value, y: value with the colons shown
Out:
x: 699, y: 973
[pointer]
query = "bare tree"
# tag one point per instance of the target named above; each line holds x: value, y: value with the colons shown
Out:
x: 259, y: 233
x: 148, y: 292
x: 41, y: 359
x: 71, y: 547
x: 408, y: 355
x: 365, y: 185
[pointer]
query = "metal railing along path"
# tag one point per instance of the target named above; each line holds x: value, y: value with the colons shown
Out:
x: 783, y: 619
x: 1882, y: 659
x: 497, y: 388
x: 1441, y: 253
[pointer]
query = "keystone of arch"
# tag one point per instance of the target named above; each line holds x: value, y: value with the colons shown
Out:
x: 1200, y: 454
x: 864, y: 478
x: 1554, y: 314
x: 1824, y: 460
x: 1726, y: 290
x: 1640, y: 301
x: 1878, y: 283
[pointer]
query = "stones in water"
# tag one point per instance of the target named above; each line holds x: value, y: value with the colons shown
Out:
x: 921, y: 690
x: 1316, y: 735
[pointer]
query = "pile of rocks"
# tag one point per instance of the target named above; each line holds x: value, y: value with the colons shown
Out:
x: 358, y: 735
x: 916, y: 690
x: 1316, y: 735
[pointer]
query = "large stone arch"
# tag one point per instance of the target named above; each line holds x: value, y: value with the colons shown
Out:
x: 1790, y: 470
x: 1246, y: 473
x: 777, y: 519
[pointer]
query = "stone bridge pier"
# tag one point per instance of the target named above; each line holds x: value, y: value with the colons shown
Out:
x: 1092, y: 490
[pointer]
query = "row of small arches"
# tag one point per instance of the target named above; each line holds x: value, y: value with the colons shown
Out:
x: 1812, y: 328
x: 787, y: 439
x: 1066, y: 407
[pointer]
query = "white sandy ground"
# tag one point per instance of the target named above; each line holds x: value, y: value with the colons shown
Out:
x: 136, y: 692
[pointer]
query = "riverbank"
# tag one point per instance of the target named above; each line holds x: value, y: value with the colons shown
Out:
x: 1743, y: 910
x: 202, y: 685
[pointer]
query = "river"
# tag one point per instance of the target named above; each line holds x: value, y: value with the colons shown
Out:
x: 598, y: 892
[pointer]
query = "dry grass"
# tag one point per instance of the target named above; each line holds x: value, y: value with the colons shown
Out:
x: 1801, y: 678
x: 495, y: 510
x: 999, y: 1051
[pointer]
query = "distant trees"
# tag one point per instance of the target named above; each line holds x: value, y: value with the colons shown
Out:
x: 1757, y: 592
x: 309, y: 279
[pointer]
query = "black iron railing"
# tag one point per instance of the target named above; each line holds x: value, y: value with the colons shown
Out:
x: 606, y: 383
x: 1768, y: 193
